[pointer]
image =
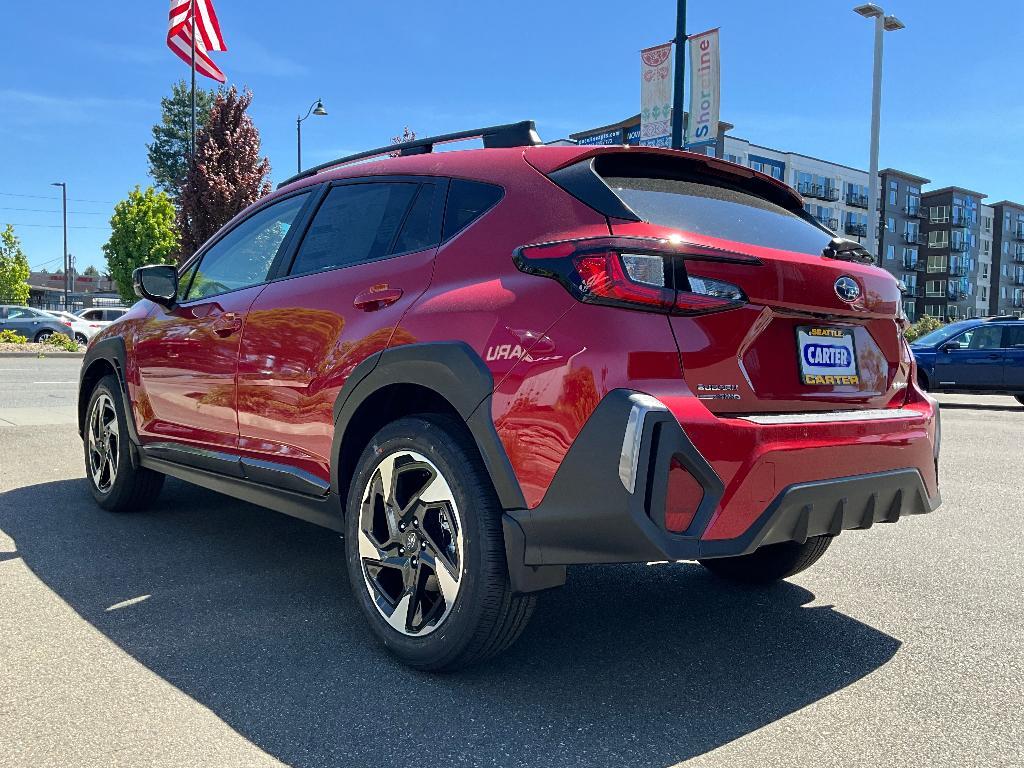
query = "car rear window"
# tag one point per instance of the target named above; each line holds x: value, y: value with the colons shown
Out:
x: 468, y: 201
x: 718, y: 211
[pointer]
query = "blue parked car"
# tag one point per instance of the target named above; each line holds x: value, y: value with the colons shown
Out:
x: 981, y: 356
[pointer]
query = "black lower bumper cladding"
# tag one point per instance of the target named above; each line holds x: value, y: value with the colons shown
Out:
x: 589, y: 516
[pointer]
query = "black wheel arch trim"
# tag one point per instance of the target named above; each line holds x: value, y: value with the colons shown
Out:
x: 452, y: 370
x: 113, y: 353
x: 455, y: 372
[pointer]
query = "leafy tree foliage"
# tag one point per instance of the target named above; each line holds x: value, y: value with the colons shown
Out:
x: 228, y: 175
x: 142, y: 232
x: 14, y: 270
x: 169, y: 153
x: 407, y: 135
x: 91, y: 271
x: 925, y: 324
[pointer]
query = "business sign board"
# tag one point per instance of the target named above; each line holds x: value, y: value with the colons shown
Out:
x: 607, y: 137
x: 705, y: 96
x: 656, y: 96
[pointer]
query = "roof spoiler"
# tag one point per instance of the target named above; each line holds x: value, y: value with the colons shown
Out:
x: 521, y: 134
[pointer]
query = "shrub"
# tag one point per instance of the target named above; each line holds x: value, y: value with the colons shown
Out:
x: 8, y: 336
x: 926, y: 324
x: 60, y: 341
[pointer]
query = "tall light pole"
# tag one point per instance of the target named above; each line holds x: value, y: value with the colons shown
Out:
x: 316, y: 108
x: 64, y: 208
x: 883, y: 23
x: 678, y: 76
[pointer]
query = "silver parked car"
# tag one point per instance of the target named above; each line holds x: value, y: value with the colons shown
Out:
x: 33, y: 324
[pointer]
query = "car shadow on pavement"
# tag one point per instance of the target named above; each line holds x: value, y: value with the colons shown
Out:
x: 249, y: 614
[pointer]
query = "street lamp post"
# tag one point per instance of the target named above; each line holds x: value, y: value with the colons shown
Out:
x: 316, y: 108
x: 883, y: 23
x: 64, y: 208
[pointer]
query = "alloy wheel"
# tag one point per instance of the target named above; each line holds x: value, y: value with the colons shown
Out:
x: 103, y: 443
x: 410, y: 543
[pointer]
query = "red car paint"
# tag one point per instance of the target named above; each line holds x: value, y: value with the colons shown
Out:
x: 258, y: 369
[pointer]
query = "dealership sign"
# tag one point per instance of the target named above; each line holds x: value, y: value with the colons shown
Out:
x: 702, y: 126
x: 656, y: 96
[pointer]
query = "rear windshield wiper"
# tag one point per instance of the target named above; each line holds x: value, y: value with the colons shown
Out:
x: 847, y: 250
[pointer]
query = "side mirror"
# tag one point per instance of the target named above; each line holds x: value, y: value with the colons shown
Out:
x: 949, y: 346
x: 157, y: 282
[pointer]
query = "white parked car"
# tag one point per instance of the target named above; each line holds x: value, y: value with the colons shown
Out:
x: 82, y: 329
x: 100, y: 317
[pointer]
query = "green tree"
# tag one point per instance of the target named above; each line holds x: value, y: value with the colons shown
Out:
x: 91, y: 271
x: 169, y: 152
x: 925, y: 324
x: 142, y: 232
x: 14, y: 269
x: 228, y: 175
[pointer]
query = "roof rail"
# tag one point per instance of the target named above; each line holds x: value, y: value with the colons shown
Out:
x: 521, y: 134
x: 1001, y: 317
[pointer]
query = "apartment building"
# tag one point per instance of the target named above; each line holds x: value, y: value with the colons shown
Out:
x: 1007, y: 298
x: 900, y: 237
x: 951, y: 235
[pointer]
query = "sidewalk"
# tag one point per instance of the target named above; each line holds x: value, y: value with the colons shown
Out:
x: 38, y: 416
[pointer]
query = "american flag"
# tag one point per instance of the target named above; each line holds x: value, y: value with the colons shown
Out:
x: 208, y: 36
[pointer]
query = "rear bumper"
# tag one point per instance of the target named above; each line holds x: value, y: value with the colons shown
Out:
x: 763, y: 483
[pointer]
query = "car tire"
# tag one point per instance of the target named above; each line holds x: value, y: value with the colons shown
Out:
x: 420, y: 486
x: 42, y: 336
x: 81, y: 338
x: 771, y: 563
x: 116, y: 482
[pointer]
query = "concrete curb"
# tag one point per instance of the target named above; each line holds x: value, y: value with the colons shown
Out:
x: 42, y: 354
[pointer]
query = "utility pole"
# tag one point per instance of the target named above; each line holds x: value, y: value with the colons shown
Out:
x: 64, y: 208
x: 678, y: 77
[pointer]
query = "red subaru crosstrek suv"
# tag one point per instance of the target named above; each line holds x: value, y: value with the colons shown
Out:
x: 484, y: 366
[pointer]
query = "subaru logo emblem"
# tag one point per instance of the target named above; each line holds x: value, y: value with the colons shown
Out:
x: 847, y: 289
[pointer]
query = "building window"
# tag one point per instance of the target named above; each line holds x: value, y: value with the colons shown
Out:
x: 986, y: 223
x: 935, y: 288
x: 938, y: 262
x: 983, y: 292
x: 939, y: 214
x: 935, y: 310
x: 890, y: 252
x: 910, y: 310
x: 890, y: 224
x: 938, y: 238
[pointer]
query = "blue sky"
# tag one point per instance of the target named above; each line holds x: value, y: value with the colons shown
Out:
x: 81, y: 85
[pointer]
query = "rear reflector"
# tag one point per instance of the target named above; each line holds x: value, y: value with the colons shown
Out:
x: 682, y: 497
x: 636, y: 273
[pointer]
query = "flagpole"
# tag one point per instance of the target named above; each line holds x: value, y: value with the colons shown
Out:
x: 193, y: 142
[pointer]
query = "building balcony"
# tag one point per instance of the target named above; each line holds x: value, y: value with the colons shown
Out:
x: 851, y: 228
x: 1018, y: 256
x: 1018, y: 301
x: 956, y: 294
x: 855, y: 200
x: 1018, y: 279
x: 832, y: 224
x: 959, y: 246
x: 914, y: 238
x: 960, y: 221
x: 913, y: 292
x: 916, y: 211
x: 920, y: 265
x: 818, y: 191
x: 1018, y: 234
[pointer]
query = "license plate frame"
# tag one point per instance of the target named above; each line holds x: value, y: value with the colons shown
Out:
x: 827, y: 356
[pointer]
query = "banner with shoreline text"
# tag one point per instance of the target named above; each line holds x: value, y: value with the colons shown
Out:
x: 705, y: 85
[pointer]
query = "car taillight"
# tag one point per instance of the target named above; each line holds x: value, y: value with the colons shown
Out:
x: 67, y: 323
x: 637, y: 273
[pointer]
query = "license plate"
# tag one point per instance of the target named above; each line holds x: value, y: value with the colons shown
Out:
x: 827, y: 355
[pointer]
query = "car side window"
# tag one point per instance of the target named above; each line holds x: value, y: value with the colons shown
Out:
x: 468, y: 201
x: 243, y: 257
x: 1013, y: 336
x: 21, y: 313
x: 982, y: 337
x: 355, y: 223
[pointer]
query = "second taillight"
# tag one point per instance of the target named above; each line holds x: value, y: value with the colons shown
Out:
x: 635, y: 273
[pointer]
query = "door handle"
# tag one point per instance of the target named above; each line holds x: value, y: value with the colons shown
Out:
x: 994, y: 357
x: 227, y: 324
x: 374, y: 299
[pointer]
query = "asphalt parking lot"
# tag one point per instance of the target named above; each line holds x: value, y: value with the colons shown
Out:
x: 211, y: 632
